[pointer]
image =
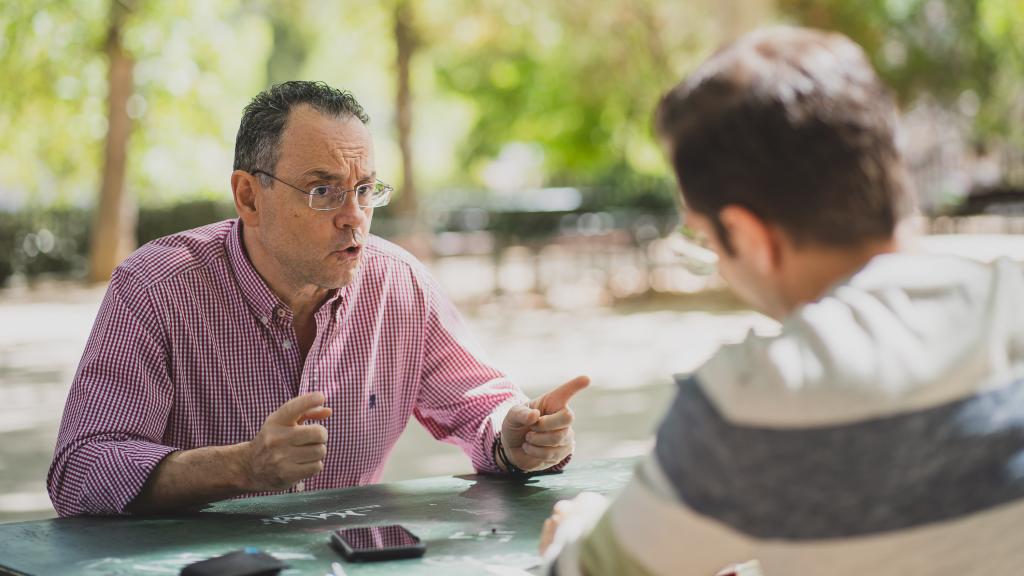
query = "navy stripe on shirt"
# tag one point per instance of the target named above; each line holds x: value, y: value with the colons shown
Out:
x: 867, y: 477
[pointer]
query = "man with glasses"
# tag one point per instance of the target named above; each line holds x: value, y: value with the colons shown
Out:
x: 287, y: 349
x: 879, y: 432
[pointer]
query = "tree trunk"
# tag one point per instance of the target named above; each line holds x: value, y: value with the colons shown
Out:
x: 290, y: 48
x: 113, y: 232
x: 405, y: 40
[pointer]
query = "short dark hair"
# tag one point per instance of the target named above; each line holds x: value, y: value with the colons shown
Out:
x: 794, y: 125
x: 258, y: 144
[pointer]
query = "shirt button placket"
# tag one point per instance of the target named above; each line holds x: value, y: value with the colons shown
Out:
x: 281, y: 313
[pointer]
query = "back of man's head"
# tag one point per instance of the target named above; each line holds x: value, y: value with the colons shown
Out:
x: 795, y: 126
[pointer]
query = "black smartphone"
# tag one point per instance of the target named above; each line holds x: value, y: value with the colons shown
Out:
x: 377, y: 543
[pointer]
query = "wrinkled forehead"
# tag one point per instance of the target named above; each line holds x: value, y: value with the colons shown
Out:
x: 316, y: 142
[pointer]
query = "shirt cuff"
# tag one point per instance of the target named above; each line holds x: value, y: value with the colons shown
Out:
x: 490, y: 439
x: 115, y: 474
x: 485, y: 463
x: 558, y: 467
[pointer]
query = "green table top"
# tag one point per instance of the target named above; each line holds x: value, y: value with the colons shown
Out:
x: 470, y: 524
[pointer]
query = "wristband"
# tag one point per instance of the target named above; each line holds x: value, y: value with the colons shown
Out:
x: 502, y: 456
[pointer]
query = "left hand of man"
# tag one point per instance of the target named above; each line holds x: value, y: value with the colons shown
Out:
x: 576, y: 516
x: 539, y: 434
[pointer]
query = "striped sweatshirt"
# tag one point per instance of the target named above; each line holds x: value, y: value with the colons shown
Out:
x: 880, y: 432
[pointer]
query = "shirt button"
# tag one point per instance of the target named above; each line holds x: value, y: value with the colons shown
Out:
x: 281, y: 312
x: 300, y: 486
x: 287, y: 344
x: 264, y: 319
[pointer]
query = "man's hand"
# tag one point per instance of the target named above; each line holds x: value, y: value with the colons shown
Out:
x: 577, y: 516
x: 286, y: 451
x: 550, y: 528
x: 539, y: 435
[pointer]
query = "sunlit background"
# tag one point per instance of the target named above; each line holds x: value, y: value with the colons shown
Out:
x: 517, y: 133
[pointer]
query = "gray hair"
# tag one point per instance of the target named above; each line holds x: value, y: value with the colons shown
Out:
x: 258, y: 144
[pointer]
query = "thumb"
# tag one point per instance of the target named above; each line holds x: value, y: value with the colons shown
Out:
x: 522, y: 417
x: 295, y: 409
x: 318, y: 413
x: 558, y: 398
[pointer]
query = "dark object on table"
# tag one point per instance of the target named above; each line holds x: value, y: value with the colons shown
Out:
x: 370, y: 543
x: 248, y: 562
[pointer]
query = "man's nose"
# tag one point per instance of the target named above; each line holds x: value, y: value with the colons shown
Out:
x: 350, y: 213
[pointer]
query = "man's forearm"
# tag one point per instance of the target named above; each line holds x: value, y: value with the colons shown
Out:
x: 193, y: 477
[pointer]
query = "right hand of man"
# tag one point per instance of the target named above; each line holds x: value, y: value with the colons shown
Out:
x: 286, y: 451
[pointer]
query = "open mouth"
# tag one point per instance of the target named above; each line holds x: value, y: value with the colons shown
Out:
x: 354, y: 246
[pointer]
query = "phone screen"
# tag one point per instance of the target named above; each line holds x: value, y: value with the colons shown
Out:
x: 378, y: 537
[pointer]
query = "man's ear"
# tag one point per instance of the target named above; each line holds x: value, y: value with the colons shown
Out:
x: 752, y: 238
x: 243, y: 187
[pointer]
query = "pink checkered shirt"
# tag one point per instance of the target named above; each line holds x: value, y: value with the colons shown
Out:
x: 191, y: 348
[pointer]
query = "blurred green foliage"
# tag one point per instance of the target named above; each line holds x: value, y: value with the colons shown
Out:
x: 196, y: 64
x: 967, y: 55
x: 43, y: 241
x: 54, y: 240
x: 571, y: 82
x: 577, y: 78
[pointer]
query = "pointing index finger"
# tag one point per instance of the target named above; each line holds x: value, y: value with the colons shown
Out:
x: 558, y: 398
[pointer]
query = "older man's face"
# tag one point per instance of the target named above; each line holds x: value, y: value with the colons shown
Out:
x: 318, y: 248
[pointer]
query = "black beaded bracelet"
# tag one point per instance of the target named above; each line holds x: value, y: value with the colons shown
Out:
x: 499, y: 451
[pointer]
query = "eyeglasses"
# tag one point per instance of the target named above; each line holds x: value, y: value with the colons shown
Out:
x: 695, y: 251
x: 369, y: 195
x: 694, y: 237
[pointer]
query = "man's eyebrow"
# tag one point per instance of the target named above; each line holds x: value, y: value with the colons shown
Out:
x: 320, y: 175
x: 317, y: 174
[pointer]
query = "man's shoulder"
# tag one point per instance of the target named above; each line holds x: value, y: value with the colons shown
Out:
x: 384, y: 257
x: 906, y: 333
x: 170, y: 256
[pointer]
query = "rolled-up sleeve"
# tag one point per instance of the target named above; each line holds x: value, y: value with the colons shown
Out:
x: 462, y: 400
x: 115, y: 417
